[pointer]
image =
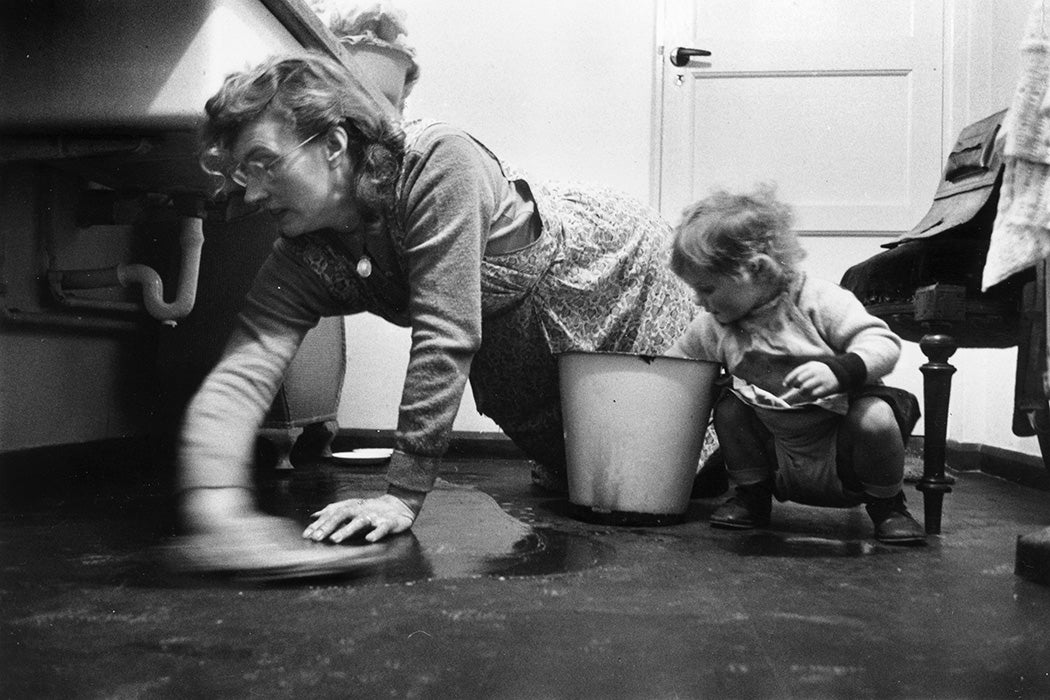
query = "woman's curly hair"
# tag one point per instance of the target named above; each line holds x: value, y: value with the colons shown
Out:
x: 724, y: 231
x: 313, y: 93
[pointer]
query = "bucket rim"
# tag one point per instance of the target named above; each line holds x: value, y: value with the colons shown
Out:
x: 645, y: 357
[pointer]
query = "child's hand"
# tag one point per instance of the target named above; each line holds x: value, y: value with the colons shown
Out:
x: 812, y: 380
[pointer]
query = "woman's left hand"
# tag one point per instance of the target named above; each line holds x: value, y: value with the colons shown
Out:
x: 385, y: 515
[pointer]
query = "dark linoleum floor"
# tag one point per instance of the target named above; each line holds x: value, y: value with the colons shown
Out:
x: 499, y: 593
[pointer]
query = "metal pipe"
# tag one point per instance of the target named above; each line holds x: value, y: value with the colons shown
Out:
x: 61, y: 281
x: 126, y: 307
x: 191, y: 240
x: 50, y: 319
x: 84, y: 279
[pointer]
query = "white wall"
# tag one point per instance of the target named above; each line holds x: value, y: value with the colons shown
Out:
x: 564, y: 89
x: 559, y: 88
x: 982, y: 46
x: 982, y: 65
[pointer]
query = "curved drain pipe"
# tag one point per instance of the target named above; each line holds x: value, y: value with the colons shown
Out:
x: 191, y: 240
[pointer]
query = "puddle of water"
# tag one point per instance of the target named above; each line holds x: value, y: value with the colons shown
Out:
x: 540, y: 552
x: 406, y: 558
x: 462, y: 533
x: 771, y: 544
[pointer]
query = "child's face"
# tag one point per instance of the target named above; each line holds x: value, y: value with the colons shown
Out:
x: 731, y: 297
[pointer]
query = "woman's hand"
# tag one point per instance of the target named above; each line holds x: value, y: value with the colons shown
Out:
x: 812, y: 380
x: 385, y: 515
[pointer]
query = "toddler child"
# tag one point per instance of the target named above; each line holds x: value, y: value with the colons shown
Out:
x: 806, y: 417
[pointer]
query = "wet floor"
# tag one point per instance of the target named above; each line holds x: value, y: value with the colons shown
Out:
x: 499, y: 592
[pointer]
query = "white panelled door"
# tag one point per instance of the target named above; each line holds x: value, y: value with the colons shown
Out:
x: 838, y: 102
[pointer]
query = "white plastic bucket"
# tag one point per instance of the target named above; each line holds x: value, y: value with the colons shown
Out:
x: 634, y: 428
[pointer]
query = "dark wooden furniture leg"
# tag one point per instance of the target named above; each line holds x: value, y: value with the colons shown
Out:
x: 1044, y: 448
x: 1032, y: 558
x: 282, y: 440
x: 317, y: 438
x: 937, y: 386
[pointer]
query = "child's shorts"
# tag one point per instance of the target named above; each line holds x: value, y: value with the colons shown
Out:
x: 904, y: 404
x: 806, y: 443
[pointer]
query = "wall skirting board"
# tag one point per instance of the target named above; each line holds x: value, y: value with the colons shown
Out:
x: 1018, y: 467
x: 131, y: 455
x: 463, y: 443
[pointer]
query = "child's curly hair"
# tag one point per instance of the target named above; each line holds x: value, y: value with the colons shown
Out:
x: 724, y: 231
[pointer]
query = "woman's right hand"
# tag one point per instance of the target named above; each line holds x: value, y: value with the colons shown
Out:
x: 385, y: 515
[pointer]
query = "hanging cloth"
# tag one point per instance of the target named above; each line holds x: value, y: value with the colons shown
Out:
x: 1021, y: 232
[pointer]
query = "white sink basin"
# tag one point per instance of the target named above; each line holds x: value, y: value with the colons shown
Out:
x: 79, y: 66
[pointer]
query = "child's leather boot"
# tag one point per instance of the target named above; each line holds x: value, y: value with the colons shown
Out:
x: 893, y: 523
x: 749, y: 508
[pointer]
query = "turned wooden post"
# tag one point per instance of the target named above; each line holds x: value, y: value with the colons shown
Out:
x: 1032, y: 559
x: 282, y: 440
x: 937, y: 387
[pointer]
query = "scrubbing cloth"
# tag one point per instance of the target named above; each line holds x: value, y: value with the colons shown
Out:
x: 266, y: 548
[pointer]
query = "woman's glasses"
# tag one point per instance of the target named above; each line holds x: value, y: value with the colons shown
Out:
x: 262, y: 171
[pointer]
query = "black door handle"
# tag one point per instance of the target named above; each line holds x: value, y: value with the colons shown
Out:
x: 680, y: 55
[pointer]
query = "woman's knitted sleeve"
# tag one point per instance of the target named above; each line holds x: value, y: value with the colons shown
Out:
x: 218, y: 433
x: 449, y: 194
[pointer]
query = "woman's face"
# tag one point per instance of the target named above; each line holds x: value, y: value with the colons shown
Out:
x: 305, y: 187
